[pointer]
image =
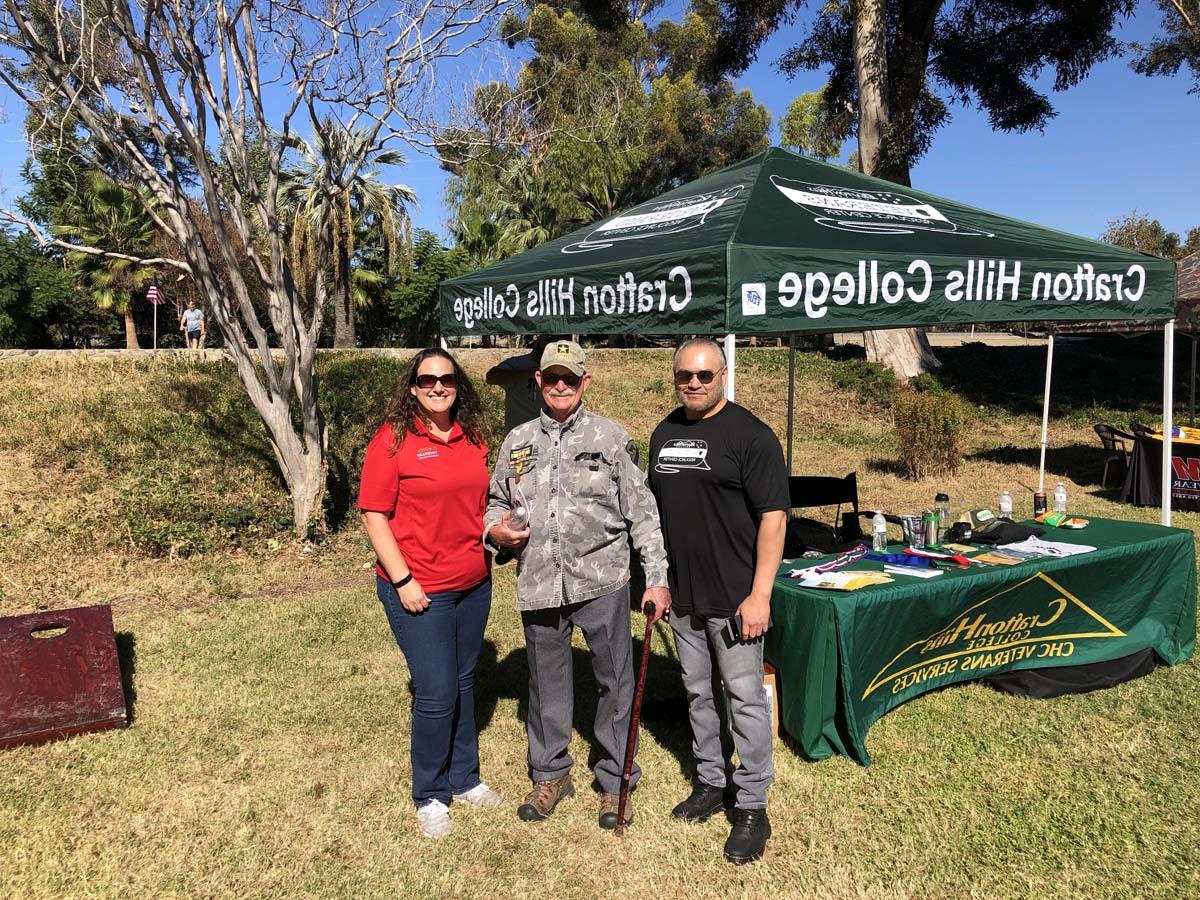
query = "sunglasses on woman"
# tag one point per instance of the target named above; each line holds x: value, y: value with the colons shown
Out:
x: 426, y: 382
x: 704, y: 376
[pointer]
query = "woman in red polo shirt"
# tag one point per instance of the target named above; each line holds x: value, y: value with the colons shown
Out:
x: 423, y: 493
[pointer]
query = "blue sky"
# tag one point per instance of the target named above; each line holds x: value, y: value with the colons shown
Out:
x: 1121, y: 141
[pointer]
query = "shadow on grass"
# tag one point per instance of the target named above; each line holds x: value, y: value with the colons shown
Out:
x: 238, y: 436
x: 664, y: 707
x: 127, y: 659
x: 339, y: 493
x: 1082, y: 463
x: 1108, y: 372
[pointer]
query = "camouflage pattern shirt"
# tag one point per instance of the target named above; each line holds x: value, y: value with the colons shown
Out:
x: 588, y: 502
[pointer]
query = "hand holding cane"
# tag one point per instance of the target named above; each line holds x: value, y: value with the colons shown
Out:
x: 635, y: 719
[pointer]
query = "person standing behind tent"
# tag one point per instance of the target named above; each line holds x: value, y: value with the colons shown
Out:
x: 522, y: 396
x: 721, y: 483
x: 423, y: 494
x: 193, y: 323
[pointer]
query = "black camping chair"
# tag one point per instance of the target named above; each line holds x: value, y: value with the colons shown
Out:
x: 1139, y: 430
x: 844, y: 531
x: 1115, y: 449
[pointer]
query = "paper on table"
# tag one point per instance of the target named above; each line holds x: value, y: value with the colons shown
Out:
x: 911, y: 570
x: 1040, y: 547
x: 994, y: 558
x: 845, y: 581
x: 960, y: 548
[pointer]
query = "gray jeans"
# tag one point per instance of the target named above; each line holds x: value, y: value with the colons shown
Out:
x: 727, y: 706
x: 605, y: 625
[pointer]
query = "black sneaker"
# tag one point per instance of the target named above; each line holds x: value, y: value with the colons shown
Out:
x: 701, y: 804
x: 748, y: 837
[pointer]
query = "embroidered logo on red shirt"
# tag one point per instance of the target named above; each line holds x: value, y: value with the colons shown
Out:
x: 427, y: 453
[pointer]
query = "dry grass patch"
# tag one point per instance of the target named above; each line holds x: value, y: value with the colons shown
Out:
x: 269, y: 752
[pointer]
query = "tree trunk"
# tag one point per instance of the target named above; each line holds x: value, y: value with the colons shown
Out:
x: 905, y: 351
x: 343, y: 303
x: 131, y: 340
x: 870, y: 67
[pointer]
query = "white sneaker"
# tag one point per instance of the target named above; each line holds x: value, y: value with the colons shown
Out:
x: 480, y: 795
x: 434, y: 819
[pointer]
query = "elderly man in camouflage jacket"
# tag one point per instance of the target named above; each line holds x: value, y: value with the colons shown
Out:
x: 587, y: 502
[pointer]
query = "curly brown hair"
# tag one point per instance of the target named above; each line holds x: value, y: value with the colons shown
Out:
x: 403, y: 410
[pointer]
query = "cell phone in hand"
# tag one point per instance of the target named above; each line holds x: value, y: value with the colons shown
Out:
x: 733, y: 628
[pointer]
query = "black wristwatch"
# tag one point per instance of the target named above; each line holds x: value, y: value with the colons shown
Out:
x: 402, y: 582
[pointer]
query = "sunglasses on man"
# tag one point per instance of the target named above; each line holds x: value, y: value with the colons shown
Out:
x: 570, y: 379
x: 426, y: 382
x: 704, y: 376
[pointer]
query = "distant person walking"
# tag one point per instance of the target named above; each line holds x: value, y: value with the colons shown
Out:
x: 194, y: 325
x: 422, y: 497
x: 522, y: 396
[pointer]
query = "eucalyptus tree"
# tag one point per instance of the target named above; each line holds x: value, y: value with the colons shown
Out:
x: 207, y: 77
x: 337, y: 176
x: 613, y: 104
x: 897, y: 67
x: 1178, y: 47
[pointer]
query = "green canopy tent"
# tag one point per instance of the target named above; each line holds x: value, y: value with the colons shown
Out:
x: 782, y: 244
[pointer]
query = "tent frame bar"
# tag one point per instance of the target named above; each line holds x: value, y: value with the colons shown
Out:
x: 1167, y: 409
x: 1168, y: 404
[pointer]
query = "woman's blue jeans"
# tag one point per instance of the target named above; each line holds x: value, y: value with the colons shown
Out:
x: 441, y: 646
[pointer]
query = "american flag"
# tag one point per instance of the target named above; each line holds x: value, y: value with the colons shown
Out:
x: 153, y: 294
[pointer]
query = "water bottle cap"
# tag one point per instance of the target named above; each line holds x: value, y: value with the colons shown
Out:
x: 942, y: 498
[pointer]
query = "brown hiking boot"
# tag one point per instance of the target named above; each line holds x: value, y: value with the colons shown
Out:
x: 540, y: 802
x: 608, y: 810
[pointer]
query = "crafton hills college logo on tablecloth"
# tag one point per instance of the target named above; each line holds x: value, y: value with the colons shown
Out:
x: 1035, y: 619
x: 878, y: 212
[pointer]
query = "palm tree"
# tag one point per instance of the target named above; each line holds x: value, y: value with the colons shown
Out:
x: 336, y: 182
x: 108, y: 217
x: 534, y: 211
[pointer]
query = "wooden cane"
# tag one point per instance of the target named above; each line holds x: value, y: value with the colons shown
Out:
x: 635, y: 719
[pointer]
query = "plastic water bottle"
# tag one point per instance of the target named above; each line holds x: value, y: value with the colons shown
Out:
x: 1060, y: 498
x: 1006, y: 505
x: 518, y: 515
x: 879, y: 532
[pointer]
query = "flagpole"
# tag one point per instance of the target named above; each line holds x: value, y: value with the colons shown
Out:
x: 155, y: 326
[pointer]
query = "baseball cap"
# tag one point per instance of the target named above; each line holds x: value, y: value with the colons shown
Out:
x: 567, y: 354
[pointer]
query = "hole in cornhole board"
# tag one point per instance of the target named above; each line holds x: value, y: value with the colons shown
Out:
x: 48, y: 631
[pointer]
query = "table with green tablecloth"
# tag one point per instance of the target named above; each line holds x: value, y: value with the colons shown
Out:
x: 845, y: 658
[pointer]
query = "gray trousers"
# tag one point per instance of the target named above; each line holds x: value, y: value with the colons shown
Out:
x: 605, y: 625
x: 727, y: 706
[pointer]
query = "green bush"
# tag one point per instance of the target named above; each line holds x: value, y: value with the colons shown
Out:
x: 872, y: 383
x: 927, y: 383
x: 931, y: 429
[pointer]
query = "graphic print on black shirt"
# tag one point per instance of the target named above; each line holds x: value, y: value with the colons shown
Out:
x: 713, y: 479
x: 681, y: 454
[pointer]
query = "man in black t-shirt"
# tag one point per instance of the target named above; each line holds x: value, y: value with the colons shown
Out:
x: 721, y: 484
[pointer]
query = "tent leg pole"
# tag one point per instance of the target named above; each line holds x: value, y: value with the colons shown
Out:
x: 1168, y: 404
x: 1192, y: 400
x: 442, y: 343
x: 1046, y: 413
x: 730, y: 348
x: 791, y: 395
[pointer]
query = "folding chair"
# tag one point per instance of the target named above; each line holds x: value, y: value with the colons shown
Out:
x: 817, y: 490
x: 1115, y: 449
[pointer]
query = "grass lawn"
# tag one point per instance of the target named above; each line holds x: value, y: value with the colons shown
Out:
x: 268, y: 755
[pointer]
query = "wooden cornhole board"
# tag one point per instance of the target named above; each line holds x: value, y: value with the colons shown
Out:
x: 57, y: 683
